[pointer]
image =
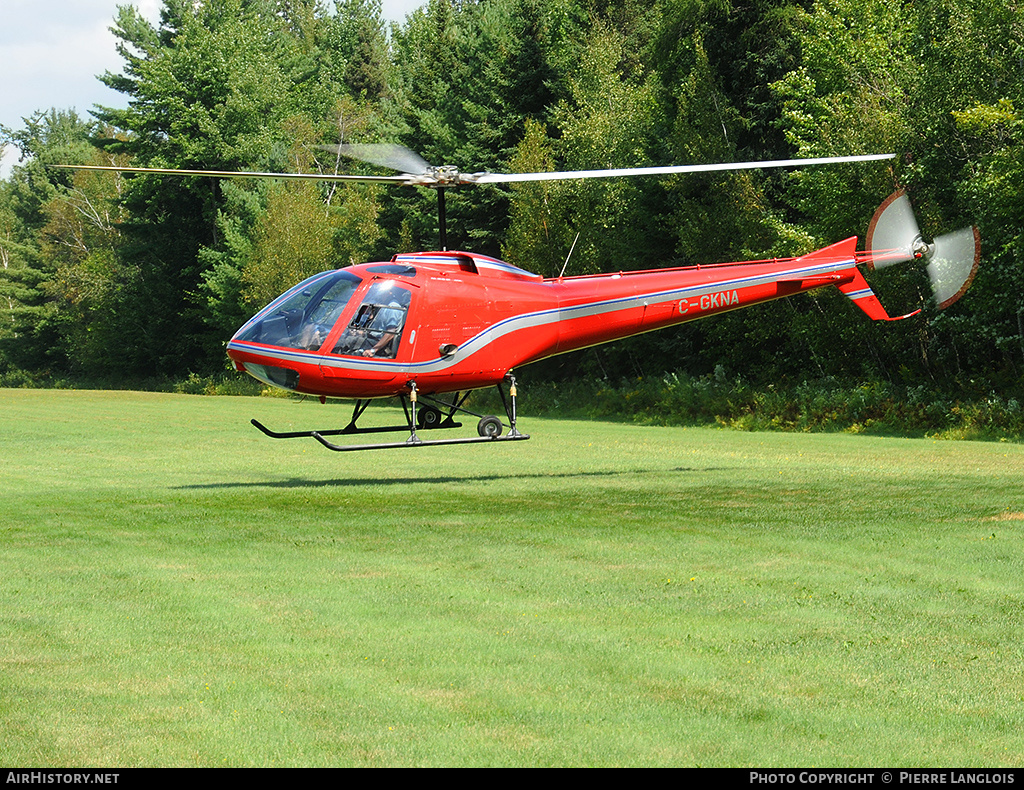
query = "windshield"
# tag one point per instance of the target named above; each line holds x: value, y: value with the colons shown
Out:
x: 303, y: 317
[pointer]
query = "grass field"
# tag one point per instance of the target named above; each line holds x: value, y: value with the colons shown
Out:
x: 179, y: 590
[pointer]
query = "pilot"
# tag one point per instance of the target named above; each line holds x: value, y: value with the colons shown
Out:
x: 386, y: 326
x: 312, y: 336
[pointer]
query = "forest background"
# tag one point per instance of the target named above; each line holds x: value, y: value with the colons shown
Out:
x: 138, y: 281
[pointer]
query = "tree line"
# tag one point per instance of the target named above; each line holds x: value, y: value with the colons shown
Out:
x: 120, y: 277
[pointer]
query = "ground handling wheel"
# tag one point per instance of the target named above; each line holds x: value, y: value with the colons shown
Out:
x: 489, y: 427
x: 428, y: 417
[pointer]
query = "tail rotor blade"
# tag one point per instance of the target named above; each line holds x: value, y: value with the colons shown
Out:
x: 952, y: 262
x: 893, y: 234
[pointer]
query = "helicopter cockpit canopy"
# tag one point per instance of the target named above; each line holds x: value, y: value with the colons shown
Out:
x: 302, y: 317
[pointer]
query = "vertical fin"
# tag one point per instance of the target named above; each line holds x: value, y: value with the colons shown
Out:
x: 860, y: 294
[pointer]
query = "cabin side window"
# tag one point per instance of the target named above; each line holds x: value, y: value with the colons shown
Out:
x: 378, y: 323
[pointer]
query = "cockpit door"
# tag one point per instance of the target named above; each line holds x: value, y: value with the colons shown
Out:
x: 377, y: 328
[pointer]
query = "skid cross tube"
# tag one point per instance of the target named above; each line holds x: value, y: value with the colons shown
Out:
x: 455, y: 405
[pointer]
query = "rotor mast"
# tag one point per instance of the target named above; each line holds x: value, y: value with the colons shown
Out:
x: 442, y: 221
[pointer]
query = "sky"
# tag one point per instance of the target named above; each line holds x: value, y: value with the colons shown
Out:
x: 52, y: 50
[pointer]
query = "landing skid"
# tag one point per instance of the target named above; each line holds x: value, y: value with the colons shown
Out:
x: 430, y: 417
x: 418, y: 443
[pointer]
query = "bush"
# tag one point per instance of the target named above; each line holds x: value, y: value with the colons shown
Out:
x: 222, y: 384
x: 825, y: 405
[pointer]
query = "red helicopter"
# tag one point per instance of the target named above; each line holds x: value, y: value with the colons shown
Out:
x: 430, y: 327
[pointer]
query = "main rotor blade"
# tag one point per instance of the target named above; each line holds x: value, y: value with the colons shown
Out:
x: 418, y: 172
x: 500, y: 178
x: 392, y: 155
x: 167, y: 171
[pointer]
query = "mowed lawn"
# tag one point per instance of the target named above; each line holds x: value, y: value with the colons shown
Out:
x: 177, y: 589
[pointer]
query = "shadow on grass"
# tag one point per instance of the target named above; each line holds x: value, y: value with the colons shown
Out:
x: 295, y: 482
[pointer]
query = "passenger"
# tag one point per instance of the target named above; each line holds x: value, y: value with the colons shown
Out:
x: 386, y: 326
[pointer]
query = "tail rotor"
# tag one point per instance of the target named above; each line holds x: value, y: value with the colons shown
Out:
x: 951, y: 259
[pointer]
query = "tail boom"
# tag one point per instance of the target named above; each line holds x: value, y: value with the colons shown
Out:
x: 596, y: 309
